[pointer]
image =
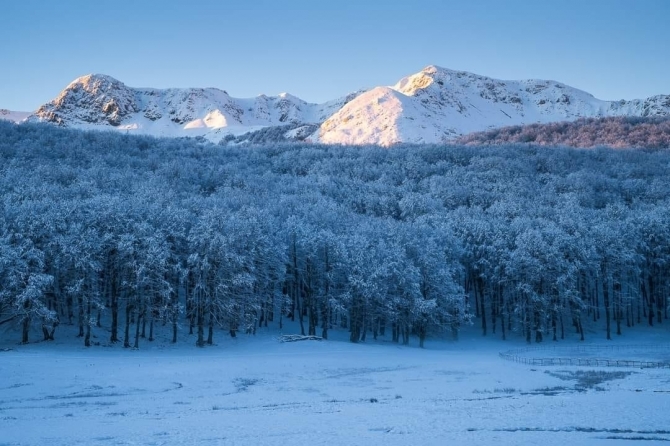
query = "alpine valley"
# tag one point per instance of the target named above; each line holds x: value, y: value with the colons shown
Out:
x: 434, y: 105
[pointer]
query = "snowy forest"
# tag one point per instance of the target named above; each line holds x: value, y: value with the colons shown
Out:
x: 118, y: 237
x: 616, y: 132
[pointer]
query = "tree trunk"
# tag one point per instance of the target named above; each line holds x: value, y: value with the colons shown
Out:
x: 201, y: 329
x: 151, y: 330
x: 140, y: 317
x: 405, y: 335
x: 480, y: 288
x: 660, y: 304
x: 355, y: 322
x: 114, y: 337
x: 495, y: 308
x: 325, y: 316
x: 526, y: 322
x: 502, y: 327
x: 553, y: 325
x: 80, y: 303
x: 175, y: 314
x: 650, y: 298
x: 301, y: 318
x: 312, y: 319
x: 364, y: 329
x: 210, y: 329
x: 617, y: 311
x: 70, y: 310
x: 538, y: 327
x: 325, y: 304
x: 143, y: 334
x: 126, y: 337
x: 25, y: 332
x: 422, y: 335
x: 87, y: 337
x: 606, y: 303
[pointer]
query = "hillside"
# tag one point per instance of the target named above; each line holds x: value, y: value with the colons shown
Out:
x: 618, y: 132
x: 438, y: 105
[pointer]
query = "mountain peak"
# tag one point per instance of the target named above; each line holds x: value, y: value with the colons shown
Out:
x: 95, y: 83
x: 432, y: 74
x: 93, y: 99
x: 289, y: 96
x: 93, y: 77
x: 433, y: 69
x: 413, y: 83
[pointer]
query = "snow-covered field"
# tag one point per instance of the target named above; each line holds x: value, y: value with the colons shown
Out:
x: 254, y: 390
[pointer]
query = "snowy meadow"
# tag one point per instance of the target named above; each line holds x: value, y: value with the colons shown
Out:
x: 256, y: 390
x: 145, y: 285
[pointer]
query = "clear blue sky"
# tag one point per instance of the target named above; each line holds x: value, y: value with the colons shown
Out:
x: 319, y: 50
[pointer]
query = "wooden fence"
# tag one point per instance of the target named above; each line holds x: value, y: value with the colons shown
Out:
x: 530, y: 355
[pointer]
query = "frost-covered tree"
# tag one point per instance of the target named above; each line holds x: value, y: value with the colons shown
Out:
x: 117, y: 237
x: 22, y: 296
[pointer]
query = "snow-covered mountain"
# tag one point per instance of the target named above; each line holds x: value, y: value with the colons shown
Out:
x: 97, y: 101
x: 14, y: 116
x: 437, y: 105
x: 432, y: 106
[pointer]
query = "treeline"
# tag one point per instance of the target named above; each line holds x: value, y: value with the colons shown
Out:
x: 616, y: 132
x: 118, y: 236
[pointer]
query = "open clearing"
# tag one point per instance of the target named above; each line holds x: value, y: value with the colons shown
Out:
x: 257, y: 391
